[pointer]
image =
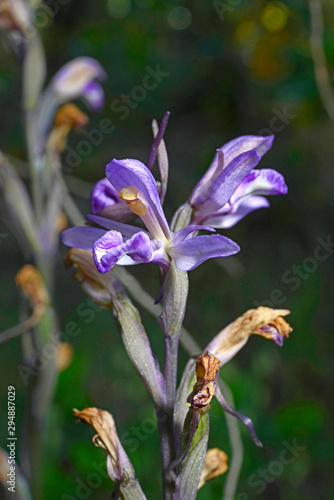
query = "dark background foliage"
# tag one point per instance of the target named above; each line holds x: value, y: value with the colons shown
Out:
x: 230, y: 71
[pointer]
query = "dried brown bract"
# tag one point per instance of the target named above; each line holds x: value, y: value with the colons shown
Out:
x: 64, y: 356
x: 104, y: 425
x: 32, y: 285
x: 119, y: 467
x: 69, y: 117
x: 207, y: 368
x: 102, y: 288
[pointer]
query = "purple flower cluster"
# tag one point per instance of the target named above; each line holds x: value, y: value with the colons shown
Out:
x: 230, y: 189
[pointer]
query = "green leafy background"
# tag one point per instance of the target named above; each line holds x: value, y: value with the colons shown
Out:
x: 229, y: 73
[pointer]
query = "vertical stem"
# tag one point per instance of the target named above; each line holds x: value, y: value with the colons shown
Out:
x: 173, y: 311
x: 166, y: 425
x: 36, y: 184
x: 166, y: 446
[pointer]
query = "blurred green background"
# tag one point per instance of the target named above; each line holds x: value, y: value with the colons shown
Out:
x: 230, y: 68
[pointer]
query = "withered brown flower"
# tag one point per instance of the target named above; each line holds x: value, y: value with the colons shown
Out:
x: 207, y: 368
x: 264, y: 321
x: 215, y: 465
x: 119, y: 467
x: 68, y: 117
x: 30, y: 281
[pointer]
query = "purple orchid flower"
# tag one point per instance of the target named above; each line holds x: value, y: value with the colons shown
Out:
x: 124, y: 244
x: 77, y: 79
x: 231, y: 188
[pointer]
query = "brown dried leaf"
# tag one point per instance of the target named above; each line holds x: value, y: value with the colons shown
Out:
x: 62, y: 222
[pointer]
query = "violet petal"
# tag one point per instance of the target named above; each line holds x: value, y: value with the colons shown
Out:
x: 228, y: 181
x: 81, y: 237
x: 244, y: 143
x: 126, y: 229
x: 110, y: 248
x: 227, y: 220
x: 103, y: 194
x: 72, y: 79
x: 186, y: 232
x: 261, y: 182
x: 223, y: 158
x: 93, y: 95
x: 190, y: 253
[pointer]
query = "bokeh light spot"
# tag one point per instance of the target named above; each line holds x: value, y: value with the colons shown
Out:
x: 179, y: 18
x: 118, y: 8
x: 275, y: 16
x: 246, y: 29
